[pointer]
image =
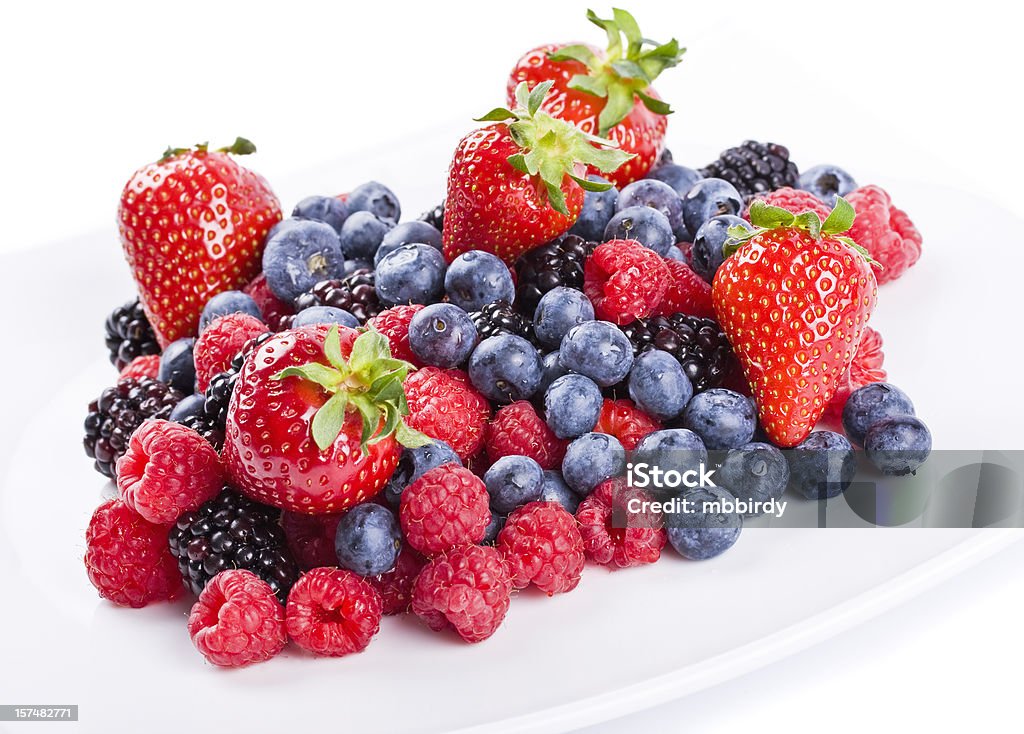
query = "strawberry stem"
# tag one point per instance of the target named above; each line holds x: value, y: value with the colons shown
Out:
x: 241, y: 146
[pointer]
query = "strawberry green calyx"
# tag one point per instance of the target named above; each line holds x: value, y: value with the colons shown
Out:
x: 552, y: 148
x: 627, y: 70
x: 369, y: 382
x: 241, y: 146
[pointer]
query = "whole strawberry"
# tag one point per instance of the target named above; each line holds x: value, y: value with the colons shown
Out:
x: 519, y: 182
x: 192, y: 225
x: 607, y: 93
x: 316, y: 419
x: 794, y: 299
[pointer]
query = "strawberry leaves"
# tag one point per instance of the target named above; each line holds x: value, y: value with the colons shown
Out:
x: 241, y: 146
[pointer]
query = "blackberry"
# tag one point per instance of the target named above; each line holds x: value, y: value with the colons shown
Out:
x: 499, y: 317
x: 434, y: 216
x: 355, y: 293
x: 117, y: 412
x: 699, y: 344
x: 557, y: 263
x: 129, y: 334
x: 754, y: 168
x: 233, y: 531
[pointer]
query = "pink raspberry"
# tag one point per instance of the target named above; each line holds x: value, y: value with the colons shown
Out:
x: 332, y: 612
x: 612, y: 536
x: 148, y: 365
x: 625, y: 281
x: 394, y: 324
x: 272, y: 307
x: 687, y: 293
x: 395, y: 586
x: 220, y: 342
x: 310, y: 538
x: 517, y: 430
x: 793, y: 200
x: 884, y: 231
x: 542, y: 545
x: 446, y: 507
x: 445, y: 405
x: 468, y: 589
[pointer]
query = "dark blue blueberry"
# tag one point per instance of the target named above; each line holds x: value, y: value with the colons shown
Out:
x: 325, y: 315
x: 704, y: 532
x: 822, y: 465
x: 512, y: 481
x: 657, y: 195
x: 572, y: 405
x: 722, y: 418
x: 599, y: 350
x: 442, y: 335
x: 551, y: 370
x: 178, y: 366
x: 706, y: 255
x: 493, y: 528
x: 476, y: 278
x: 411, y: 274
x: 647, y: 226
x: 413, y: 464
x: 281, y: 226
x: 658, y: 385
x: 300, y: 256
x: 226, y: 303
x: 408, y: 233
x: 756, y: 472
x: 708, y: 198
x: 505, y: 368
x: 188, y: 407
x: 671, y: 449
x: 362, y: 234
x: 869, y: 404
x: 368, y: 539
x: 377, y: 198
x: 898, y: 445
x: 327, y: 209
x: 826, y: 182
x: 680, y: 178
x: 598, y: 208
x: 674, y: 253
x: 591, y: 459
x: 556, y: 490
x: 559, y: 310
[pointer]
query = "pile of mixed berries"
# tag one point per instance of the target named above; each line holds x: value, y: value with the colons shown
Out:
x: 339, y: 415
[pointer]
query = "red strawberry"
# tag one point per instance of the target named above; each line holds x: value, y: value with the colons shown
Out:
x: 192, y: 225
x: 607, y: 93
x: 866, y: 369
x: 794, y: 300
x: 519, y: 182
x: 316, y: 419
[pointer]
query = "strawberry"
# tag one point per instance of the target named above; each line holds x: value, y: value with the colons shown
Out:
x: 519, y: 182
x: 794, y: 300
x: 316, y: 419
x: 192, y: 225
x: 607, y: 93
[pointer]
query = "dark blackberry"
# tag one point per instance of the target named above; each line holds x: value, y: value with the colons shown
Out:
x: 754, y: 168
x: 557, y: 263
x: 434, y: 216
x: 129, y: 334
x: 117, y: 412
x: 355, y: 293
x: 698, y: 344
x: 500, y: 318
x: 233, y: 531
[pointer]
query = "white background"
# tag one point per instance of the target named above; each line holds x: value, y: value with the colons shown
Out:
x: 90, y: 91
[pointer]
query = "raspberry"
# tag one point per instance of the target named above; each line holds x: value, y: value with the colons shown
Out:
x: 446, y: 507
x: 237, y: 620
x: 865, y: 369
x: 148, y: 365
x: 625, y: 421
x: 687, y: 293
x: 794, y: 200
x: 272, y: 307
x: 395, y: 586
x: 637, y: 540
x: 467, y: 589
x: 517, y: 430
x: 220, y: 342
x: 542, y: 544
x: 332, y: 612
x: 394, y: 324
x: 625, y: 281
x: 884, y: 231
x: 445, y: 405
x: 310, y: 538
x: 127, y: 558
x: 168, y: 469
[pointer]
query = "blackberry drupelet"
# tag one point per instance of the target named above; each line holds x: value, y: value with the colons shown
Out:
x: 233, y: 531
x: 499, y: 317
x: 754, y: 168
x: 355, y: 293
x: 699, y: 344
x: 557, y: 263
x: 435, y: 217
x: 119, y: 410
x: 129, y: 334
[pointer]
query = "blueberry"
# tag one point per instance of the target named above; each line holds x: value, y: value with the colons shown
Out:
x: 572, y: 405
x: 377, y: 198
x: 300, y: 256
x: 493, y: 528
x: 327, y: 209
x: 598, y: 208
x: 325, y: 315
x: 722, y: 418
x: 826, y: 182
x: 407, y: 233
x: 551, y: 370
x: 647, y: 226
x: 680, y: 178
x: 188, y: 407
x: 505, y: 368
x: 591, y: 459
x: 869, y: 404
x: 368, y: 539
x: 599, y: 350
x: 476, y: 278
x: 699, y: 535
x: 281, y: 226
x: 708, y: 198
x: 362, y: 234
x: 658, y: 385
x: 413, y: 464
x: 671, y: 449
x: 756, y: 472
x: 822, y: 465
x: 411, y: 274
x: 226, y: 303
x: 559, y: 310
x: 442, y: 335
x: 674, y: 253
x: 706, y: 255
x: 898, y: 445
x: 555, y: 489
x: 178, y: 366
x: 512, y: 481
x: 658, y: 195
